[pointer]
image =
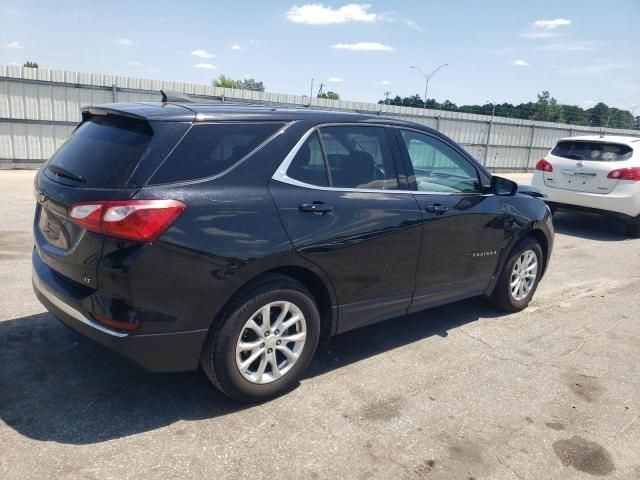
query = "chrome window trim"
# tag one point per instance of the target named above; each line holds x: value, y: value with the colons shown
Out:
x: 68, y: 309
x: 280, y: 174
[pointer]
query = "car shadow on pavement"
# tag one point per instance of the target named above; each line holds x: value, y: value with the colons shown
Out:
x: 590, y: 226
x: 57, y: 386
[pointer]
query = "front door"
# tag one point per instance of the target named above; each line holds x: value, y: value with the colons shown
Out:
x: 340, y: 204
x: 462, y: 228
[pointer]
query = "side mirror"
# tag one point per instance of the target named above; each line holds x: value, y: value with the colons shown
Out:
x: 502, y: 186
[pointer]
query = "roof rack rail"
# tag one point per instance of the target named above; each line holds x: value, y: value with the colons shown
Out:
x: 173, y: 96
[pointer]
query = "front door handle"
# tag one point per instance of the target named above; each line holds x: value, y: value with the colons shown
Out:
x: 437, y: 209
x: 315, y: 207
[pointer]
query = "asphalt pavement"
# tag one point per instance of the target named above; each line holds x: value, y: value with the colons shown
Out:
x: 458, y: 392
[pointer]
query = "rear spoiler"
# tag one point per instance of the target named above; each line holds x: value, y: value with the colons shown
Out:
x: 94, y: 111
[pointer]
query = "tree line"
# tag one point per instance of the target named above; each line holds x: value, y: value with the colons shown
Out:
x: 546, y: 108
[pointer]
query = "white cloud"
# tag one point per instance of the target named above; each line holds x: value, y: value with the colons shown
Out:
x: 318, y: 14
x: 235, y: 47
x: 551, y: 24
x: 123, y: 41
x: 134, y: 64
x: 540, y: 34
x: 385, y: 82
x: 414, y: 25
x: 153, y: 70
x: 202, y: 54
x: 335, y: 79
x: 589, y: 103
x: 205, y: 66
x: 364, y: 47
x: 521, y: 63
x: 15, y: 45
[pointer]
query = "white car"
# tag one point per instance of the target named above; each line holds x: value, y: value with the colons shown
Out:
x: 593, y: 173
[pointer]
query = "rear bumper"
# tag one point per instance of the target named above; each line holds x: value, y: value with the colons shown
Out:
x: 159, y: 352
x: 623, y: 201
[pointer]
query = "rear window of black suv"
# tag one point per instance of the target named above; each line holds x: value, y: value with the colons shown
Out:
x: 210, y: 149
x: 102, y: 152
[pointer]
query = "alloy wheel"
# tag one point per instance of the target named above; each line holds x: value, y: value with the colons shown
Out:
x: 523, y: 275
x: 270, y: 342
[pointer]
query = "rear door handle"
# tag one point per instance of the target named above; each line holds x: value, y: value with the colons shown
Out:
x: 437, y: 209
x: 315, y: 207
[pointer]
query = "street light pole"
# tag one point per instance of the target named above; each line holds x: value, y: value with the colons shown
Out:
x: 427, y: 78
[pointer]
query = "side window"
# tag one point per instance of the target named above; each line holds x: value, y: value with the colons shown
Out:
x: 438, y: 167
x: 209, y: 149
x: 308, y: 165
x: 359, y: 157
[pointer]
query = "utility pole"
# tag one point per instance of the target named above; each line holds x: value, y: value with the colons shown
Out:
x: 427, y: 78
x: 320, y: 89
x: 311, y: 92
x: 386, y: 97
x: 486, y: 145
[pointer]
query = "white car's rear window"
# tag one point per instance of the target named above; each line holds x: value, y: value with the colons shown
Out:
x: 596, y: 151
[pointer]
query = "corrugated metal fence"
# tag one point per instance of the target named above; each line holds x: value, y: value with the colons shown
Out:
x: 39, y: 108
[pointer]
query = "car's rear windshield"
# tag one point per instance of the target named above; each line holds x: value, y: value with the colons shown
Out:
x: 210, y: 149
x: 597, y: 151
x: 102, y: 152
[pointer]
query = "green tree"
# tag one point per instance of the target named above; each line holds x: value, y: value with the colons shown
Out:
x: 620, y: 118
x: 329, y: 95
x: 547, y: 109
x: 226, y: 82
x: 598, y: 116
x: 246, y: 84
x: 30, y: 64
x: 251, y: 84
x: 448, y: 105
x: 574, y: 115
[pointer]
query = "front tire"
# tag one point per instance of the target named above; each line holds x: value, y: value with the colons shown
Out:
x: 264, y: 340
x: 519, y: 278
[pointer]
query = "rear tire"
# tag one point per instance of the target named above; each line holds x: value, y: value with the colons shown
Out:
x: 515, y: 287
x: 633, y: 228
x: 279, y: 361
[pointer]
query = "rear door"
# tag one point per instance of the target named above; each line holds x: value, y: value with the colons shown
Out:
x: 339, y: 198
x: 95, y: 163
x: 584, y: 166
x: 463, y: 227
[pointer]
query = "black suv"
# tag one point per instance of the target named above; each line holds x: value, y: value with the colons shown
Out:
x: 236, y: 236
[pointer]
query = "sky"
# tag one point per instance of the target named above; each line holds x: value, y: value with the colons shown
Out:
x: 496, y: 50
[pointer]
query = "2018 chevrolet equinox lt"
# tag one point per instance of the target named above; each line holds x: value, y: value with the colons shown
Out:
x: 236, y: 236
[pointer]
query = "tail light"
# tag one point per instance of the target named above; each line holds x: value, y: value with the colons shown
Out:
x: 138, y: 220
x: 117, y: 324
x: 544, y: 166
x: 630, y: 173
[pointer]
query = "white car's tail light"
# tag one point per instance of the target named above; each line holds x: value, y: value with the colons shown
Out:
x: 630, y: 173
x: 544, y: 166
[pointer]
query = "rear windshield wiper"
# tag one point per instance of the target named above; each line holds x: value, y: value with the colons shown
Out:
x: 572, y: 156
x: 63, y: 172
